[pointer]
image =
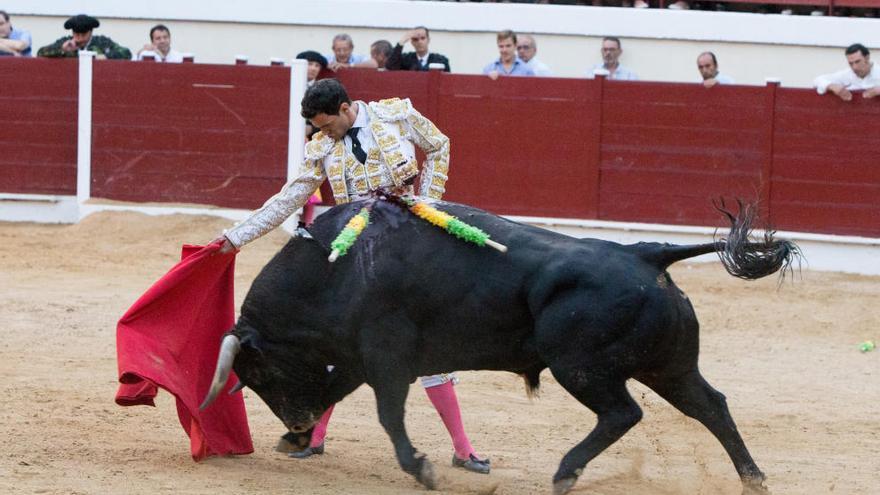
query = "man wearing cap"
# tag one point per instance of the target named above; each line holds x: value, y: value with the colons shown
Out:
x: 81, y: 27
x: 317, y: 63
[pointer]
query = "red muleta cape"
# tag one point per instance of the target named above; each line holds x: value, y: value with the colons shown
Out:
x: 170, y: 338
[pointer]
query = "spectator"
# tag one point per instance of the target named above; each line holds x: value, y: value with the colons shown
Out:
x: 317, y: 63
x: 421, y: 58
x: 13, y: 42
x: 342, y: 56
x: 860, y: 75
x: 82, y: 39
x: 160, y: 46
x: 380, y: 51
x: 526, y: 48
x: 707, y: 64
x: 611, y: 51
x: 508, y: 64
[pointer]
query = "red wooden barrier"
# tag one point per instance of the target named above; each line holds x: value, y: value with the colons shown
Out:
x: 669, y: 149
x: 38, y: 112
x: 826, y: 176
x: 571, y: 148
x: 189, y: 133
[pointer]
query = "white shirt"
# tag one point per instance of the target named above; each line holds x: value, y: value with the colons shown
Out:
x: 540, y: 68
x: 362, y: 122
x: 173, y: 57
x: 722, y: 79
x: 621, y: 74
x: 848, y: 79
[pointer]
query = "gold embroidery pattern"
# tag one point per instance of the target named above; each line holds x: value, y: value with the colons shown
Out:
x: 388, y: 166
x: 435, y: 170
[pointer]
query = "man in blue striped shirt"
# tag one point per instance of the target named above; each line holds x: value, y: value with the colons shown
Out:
x: 508, y: 63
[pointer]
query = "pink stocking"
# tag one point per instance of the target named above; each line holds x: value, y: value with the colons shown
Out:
x: 320, y: 430
x: 446, y: 403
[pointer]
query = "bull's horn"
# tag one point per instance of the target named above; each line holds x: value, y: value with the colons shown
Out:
x: 236, y: 388
x: 228, y: 349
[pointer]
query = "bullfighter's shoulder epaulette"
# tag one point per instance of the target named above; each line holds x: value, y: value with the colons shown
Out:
x: 391, y: 109
x: 319, y: 146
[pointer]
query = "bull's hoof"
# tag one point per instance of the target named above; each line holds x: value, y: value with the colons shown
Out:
x: 291, y: 442
x: 563, y: 486
x: 755, y: 489
x: 754, y: 484
x: 426, y: 474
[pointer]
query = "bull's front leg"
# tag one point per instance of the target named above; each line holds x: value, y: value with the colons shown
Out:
x: 390, y: 400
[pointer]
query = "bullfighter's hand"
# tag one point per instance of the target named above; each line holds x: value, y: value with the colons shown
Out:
x: 226, y: 247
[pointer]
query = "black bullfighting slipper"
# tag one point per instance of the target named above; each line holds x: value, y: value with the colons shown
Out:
x: 307, y: 452
x: 472, y: 464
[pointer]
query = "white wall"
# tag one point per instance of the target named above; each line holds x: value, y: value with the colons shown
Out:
x: 658, y: 44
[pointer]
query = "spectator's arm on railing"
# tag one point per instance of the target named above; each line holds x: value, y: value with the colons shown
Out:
x: 825, y: 82
x: 14, y: 47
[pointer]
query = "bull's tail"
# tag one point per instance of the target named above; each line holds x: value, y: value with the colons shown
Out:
x: 743, y: 255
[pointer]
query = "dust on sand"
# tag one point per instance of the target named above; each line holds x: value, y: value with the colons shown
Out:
x: 805, y: 399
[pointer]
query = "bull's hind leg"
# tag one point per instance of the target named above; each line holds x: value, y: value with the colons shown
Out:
x: 692, y: 395
x: 616, y: 410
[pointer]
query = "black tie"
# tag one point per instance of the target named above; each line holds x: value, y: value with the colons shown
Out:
x: 359, y: 152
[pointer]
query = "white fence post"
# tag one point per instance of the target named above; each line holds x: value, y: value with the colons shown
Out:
x: 296, y: 130
x: 296, y: 133
x: 84, y: 129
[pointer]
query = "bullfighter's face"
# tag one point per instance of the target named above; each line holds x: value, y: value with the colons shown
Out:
x: 335, y: 126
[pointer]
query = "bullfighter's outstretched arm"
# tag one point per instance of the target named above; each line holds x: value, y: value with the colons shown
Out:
x: 279, y: 207
x: 435, y: 144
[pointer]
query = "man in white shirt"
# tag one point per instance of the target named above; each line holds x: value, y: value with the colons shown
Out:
x: 160, y: 46
x: 861, y: 75
x: 707, y: 64
x: 611, y: 52
x: 526, y: 49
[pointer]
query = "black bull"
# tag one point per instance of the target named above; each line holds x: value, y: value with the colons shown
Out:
x: 411, y: 300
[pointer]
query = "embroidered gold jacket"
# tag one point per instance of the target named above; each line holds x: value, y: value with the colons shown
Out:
x: 395, y: 126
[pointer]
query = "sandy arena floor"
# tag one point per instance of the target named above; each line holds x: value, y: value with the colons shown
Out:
x: 806, y: 400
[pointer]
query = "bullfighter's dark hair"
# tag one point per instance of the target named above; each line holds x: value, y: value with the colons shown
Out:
x: 857, y: 47
x: 4, y: 15
x: 159, y: 27
x: 325, y: 96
